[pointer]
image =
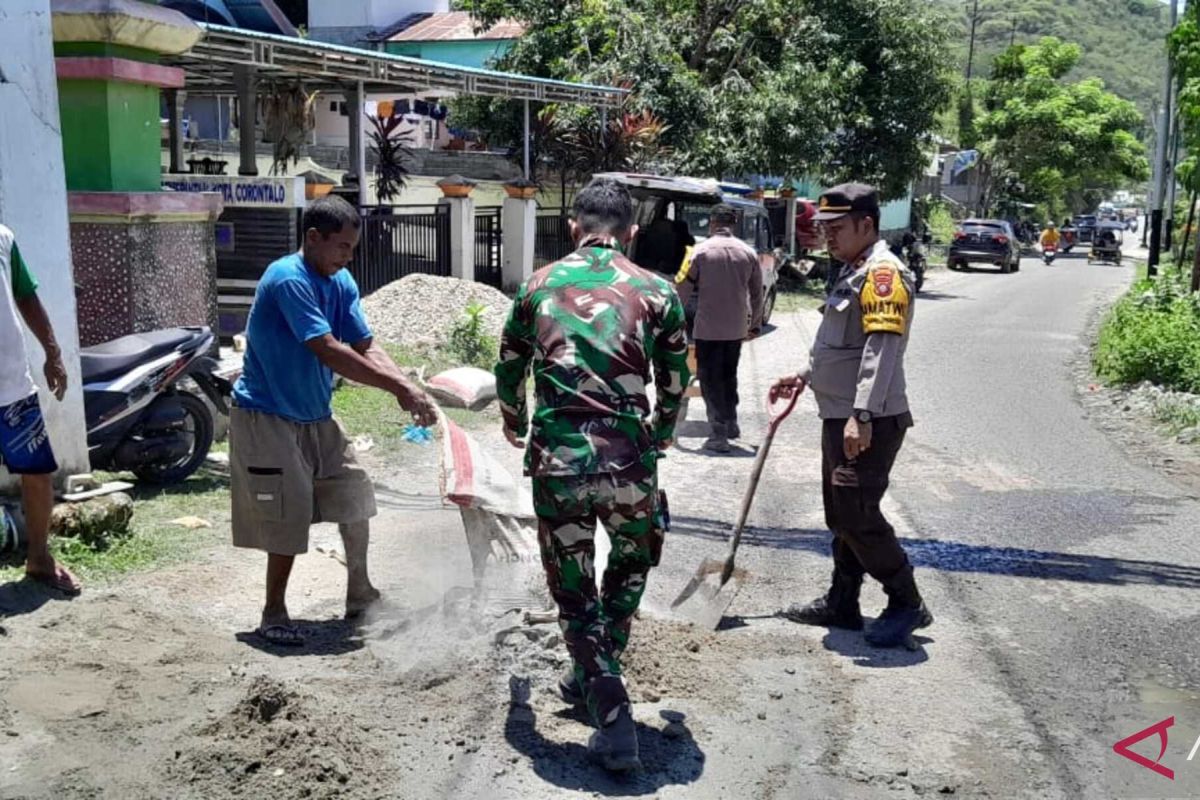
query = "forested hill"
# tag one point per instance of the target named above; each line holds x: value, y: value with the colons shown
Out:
x: 1123, y: 41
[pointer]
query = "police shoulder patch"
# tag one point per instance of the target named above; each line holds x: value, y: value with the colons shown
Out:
x: 885, y: 300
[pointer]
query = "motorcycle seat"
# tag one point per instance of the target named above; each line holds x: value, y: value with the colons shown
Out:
x: 110, y: 360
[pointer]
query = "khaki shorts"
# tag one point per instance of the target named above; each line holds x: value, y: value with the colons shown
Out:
x: 285, y: 476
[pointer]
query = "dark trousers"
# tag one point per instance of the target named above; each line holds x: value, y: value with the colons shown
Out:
x: 717, y: 364
x: 864, y: 542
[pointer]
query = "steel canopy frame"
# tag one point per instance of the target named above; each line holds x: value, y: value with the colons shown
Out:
x: 209, y: 67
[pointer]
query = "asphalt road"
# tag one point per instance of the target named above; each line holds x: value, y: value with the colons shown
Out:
x: 1064, y: 573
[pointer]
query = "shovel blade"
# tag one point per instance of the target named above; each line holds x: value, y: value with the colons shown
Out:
x: 705, y: 599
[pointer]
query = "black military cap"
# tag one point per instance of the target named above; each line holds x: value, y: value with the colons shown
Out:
x: 845, y: 199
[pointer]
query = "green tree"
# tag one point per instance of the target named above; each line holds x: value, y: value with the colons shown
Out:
x: 1046, y: 140
x: 1184, y: 45
x: 833, y: 88
x: 1122, y: 40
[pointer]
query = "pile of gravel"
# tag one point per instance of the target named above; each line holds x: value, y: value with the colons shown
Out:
x: 421, y: 310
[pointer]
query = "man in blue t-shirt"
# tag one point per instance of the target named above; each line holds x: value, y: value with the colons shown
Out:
x: 290, y: 461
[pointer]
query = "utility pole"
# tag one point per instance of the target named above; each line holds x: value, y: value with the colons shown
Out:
x: 1160, y: 155
x: 1172, y: 160
x: 1147, y: 201
x: 971, y: 47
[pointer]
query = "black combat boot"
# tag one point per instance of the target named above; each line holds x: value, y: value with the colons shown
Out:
x: 905, y: 613
x: 615, y: 742
x: 569, y: 688
x: 837, y: 609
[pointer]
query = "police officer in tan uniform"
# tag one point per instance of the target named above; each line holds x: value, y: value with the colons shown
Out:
x: 856, y: 373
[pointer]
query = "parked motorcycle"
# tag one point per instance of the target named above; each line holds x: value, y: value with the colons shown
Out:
x: 1049, y: 253
x: 917, y: 264
x: 915, y: 257
x: 139, y: 417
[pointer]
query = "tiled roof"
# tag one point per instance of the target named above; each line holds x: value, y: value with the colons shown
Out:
x: 456, y: 26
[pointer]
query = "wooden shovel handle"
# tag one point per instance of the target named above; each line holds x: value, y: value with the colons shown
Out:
x: 778, y: 413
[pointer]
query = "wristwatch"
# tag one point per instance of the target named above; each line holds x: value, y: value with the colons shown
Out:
x: 863, y: 416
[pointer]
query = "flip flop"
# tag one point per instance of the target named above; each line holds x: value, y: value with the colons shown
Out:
x: 281, y: 635
x: 356, y: 612
x: 61, y: 581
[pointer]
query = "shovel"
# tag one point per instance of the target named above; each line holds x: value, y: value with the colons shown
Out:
x: 711, y: 590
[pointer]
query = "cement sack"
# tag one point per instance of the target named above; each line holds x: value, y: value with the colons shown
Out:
x: 463, y: 387
x: 498, y: 518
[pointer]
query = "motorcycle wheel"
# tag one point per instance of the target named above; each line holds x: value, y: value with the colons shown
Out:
x: 199, y: 423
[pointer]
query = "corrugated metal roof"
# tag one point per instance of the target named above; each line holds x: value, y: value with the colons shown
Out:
x: 457, y: 26
x: 210, y: 63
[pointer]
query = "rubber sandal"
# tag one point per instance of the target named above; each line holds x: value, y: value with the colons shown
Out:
x: 61, y: 581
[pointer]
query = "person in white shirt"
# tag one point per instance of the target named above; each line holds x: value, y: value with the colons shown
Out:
x: 24, y: 443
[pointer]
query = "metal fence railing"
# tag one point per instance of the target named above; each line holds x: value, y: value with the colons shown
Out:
x: 407, y: 241
x: 488, y: 239
x: 552, y: 237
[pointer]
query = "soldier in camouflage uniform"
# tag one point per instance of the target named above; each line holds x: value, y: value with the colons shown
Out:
x: 592, y: 328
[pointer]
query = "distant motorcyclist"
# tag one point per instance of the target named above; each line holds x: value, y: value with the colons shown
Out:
x: 1050, y: 236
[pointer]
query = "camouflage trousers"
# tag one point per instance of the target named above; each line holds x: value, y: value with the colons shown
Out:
x: 596, y: 625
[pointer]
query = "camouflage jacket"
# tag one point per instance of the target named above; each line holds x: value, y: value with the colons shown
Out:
x: 592, y: 328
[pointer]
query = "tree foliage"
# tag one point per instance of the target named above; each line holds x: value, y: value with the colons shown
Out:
x: 833, y: 88
x: 1122, y: 40
x: 1047, y: 140
x: 1185, y: 55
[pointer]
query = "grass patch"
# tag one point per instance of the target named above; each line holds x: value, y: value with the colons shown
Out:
x: 798, y: 294
x: 366, y: 411
x: 1153, y: 334
x: 152, y: 540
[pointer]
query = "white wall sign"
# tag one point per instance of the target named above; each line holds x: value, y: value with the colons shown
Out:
x: 243, y: 192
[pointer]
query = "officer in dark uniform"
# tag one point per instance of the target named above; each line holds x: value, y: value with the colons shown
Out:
x: 856, y: 373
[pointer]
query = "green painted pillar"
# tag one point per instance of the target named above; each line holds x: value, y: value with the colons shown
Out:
x: 109, y: 80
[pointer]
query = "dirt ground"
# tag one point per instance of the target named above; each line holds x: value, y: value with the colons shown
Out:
x: 156, y: 687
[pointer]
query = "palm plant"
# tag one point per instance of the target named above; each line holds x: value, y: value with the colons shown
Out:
x: 390, y: 145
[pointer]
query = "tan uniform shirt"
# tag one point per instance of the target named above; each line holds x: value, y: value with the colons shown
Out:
x: 857, y: 359
x: 723, y: 273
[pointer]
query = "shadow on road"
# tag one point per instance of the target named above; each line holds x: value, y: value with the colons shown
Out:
x: 327, y: 637
x: 932, y: 295
x: 951, y: 556
x: 25, y: 597
x: 852, y: 645
x: 667, y: 760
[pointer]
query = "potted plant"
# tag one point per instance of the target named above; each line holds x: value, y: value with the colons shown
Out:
x: 456, y: 186
x: 757, y: 194
x: 787, y: 190
x: 521, y: 188
x: 315, y: 185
